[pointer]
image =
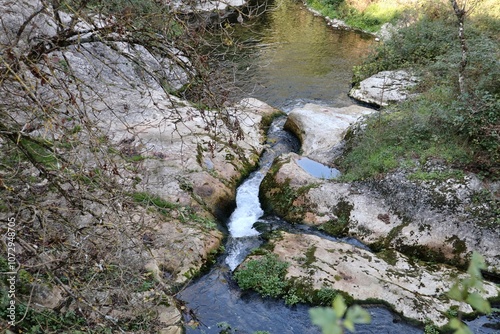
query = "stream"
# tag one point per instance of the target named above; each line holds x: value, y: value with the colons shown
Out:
x: 216, y: 300
x: 294, y: 58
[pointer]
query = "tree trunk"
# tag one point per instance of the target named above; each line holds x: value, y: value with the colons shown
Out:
x: 460, y: 13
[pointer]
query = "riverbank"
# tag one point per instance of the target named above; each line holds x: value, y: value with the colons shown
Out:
x: 406, y: 223
x: 363, y: 210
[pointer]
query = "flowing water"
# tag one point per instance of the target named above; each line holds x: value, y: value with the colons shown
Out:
x: 292, y: 58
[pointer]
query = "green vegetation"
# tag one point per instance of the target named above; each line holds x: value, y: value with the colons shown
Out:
x: 486, y: 205
x: 157, y: 202
x: 45, y: 321
x: 185, y: 214
x: 418, y: 138
x: 226, y: 328
x: 469, y: 291
x: 339, y: 226
x: 359, y: 14
x: 462, y: 130
x: 39, y: 152
x: 282, y: 198
x: 431, y: 329
x: 437, y: 175
x: 265, y: 275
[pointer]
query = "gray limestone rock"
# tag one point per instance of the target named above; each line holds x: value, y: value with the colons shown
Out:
x: 385, y: 87
x: 321, y: 128
x: 417, y: 291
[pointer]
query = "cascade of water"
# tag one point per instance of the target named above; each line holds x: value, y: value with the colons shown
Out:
x: 248, y: 208
x: 247, y: 212
x: 243, y: 237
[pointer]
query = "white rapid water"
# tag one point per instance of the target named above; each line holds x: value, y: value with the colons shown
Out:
x: 242, y: 236
x: 248, y: 208
x: 247, y: 212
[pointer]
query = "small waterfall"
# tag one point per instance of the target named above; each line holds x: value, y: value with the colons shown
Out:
x: 248, y: 208
x: 243, y: 237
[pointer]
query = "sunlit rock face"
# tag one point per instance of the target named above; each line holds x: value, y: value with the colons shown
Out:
x: 385, y: 87
x: 415, y: 290
x: 321, y: 128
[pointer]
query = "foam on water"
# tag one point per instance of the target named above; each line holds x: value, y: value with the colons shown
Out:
x: 248, y: 208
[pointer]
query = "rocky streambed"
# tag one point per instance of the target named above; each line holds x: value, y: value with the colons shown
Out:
x: 404, y: 222
x: 185, y: 178
x: 326, y: 216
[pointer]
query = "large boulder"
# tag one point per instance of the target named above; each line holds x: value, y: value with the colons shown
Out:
x: 321, y: 128
x: 385, y: 87
x: 417, y: 291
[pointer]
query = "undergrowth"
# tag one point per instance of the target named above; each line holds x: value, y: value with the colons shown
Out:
x: 460, y: 130
x: 368, y: 17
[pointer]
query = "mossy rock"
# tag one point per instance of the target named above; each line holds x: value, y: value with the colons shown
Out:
x: 339, y: 226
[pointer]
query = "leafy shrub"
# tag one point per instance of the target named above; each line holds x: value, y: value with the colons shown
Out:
x: 326, y: 296
x: 483, y: 72
x: 478, y: 119
x: 265, y: 275
x: 469, y: 290
x: 463, y: 131
x: 411, y: 47
x: 335, y: 319
x: 419, y: 132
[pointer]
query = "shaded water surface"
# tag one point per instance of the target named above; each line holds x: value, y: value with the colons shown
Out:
x: 216, y: 299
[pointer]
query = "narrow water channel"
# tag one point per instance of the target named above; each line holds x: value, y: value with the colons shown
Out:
x: 294, y: 58
x: 216, y: 300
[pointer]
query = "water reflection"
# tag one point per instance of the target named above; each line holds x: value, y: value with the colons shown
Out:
x: 300, y: 58
x: 317, y: 169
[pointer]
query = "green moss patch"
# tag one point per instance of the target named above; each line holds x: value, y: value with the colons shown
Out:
x: 284, y: 199
x: 339, y: 226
